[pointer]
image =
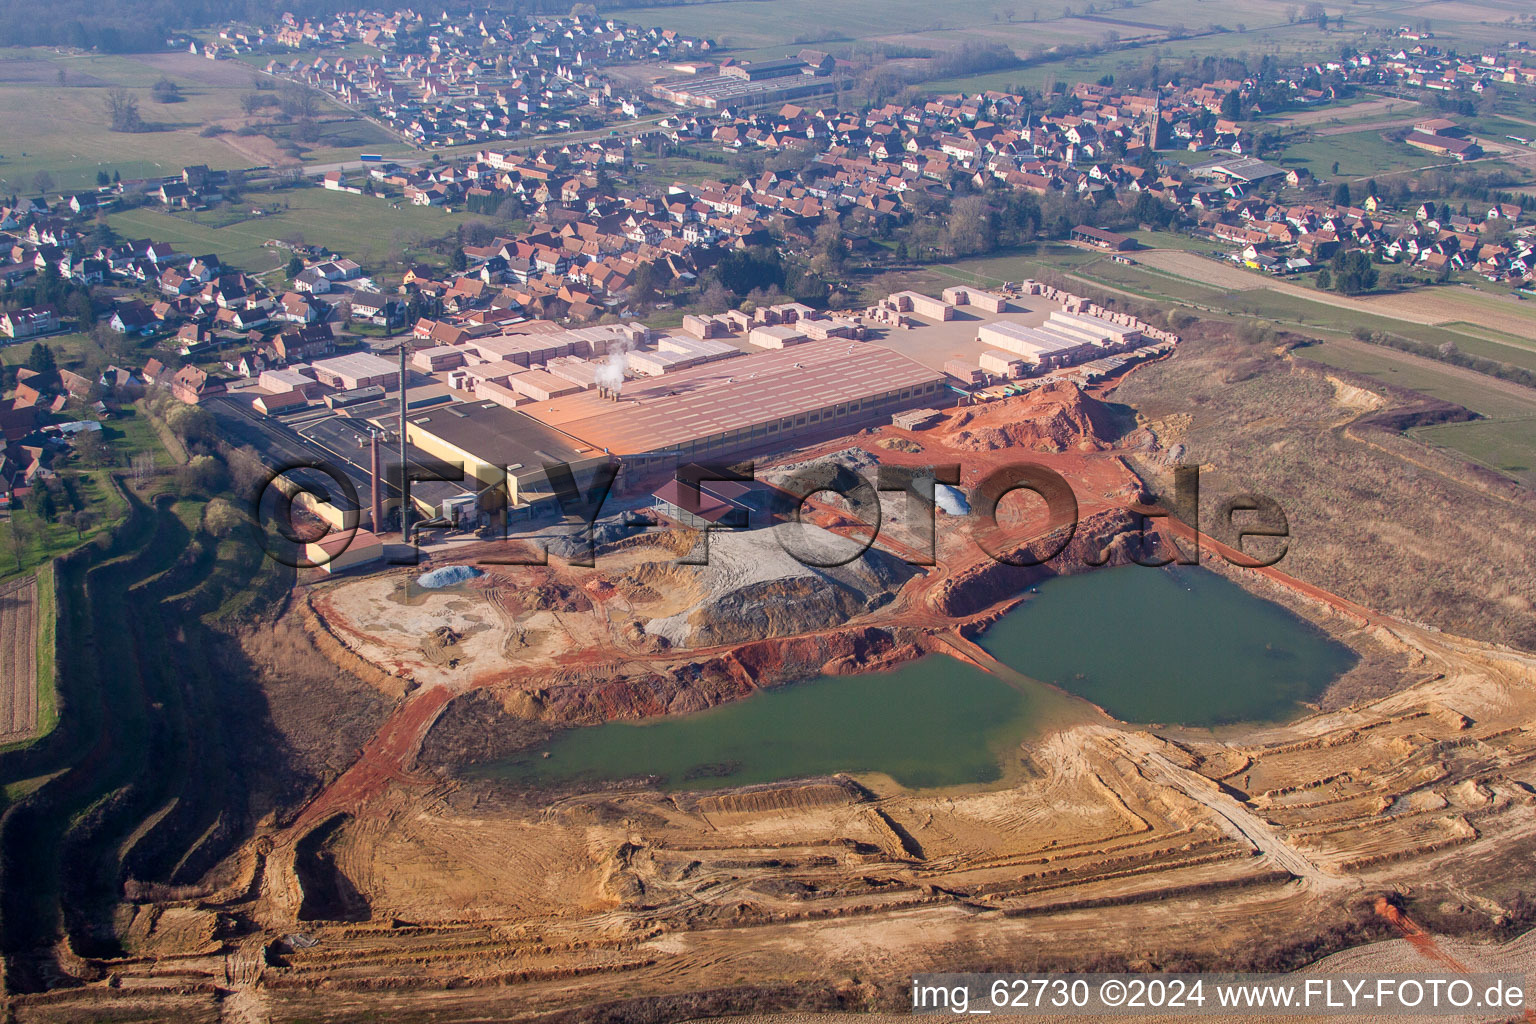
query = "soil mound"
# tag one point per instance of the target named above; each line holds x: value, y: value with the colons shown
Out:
x: 447, y: 576
x: 754, y: 588
x: 1055, y: 417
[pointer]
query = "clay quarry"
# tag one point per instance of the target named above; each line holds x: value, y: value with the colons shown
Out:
x: 403, y: 885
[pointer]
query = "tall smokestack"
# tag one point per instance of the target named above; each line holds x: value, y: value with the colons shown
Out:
x: 405, y: 473
x: 375, y: 470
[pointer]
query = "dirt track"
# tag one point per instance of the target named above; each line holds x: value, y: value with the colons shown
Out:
x: 1103, y: 841
x: 18, y: 659
x: 1430, y: 306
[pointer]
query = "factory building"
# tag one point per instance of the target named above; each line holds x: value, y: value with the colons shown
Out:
x: 496, y: 444
x: 759, y: 401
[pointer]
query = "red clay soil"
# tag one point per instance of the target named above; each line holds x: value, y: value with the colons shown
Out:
x: 1055, y: 417
x: 1060, y: 415
x: 387, y: 757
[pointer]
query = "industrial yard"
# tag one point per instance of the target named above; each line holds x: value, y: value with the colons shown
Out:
x: 410, y: 874
x: 503, y: 399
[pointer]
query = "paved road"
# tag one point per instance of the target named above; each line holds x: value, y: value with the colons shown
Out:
x: 436, y: 156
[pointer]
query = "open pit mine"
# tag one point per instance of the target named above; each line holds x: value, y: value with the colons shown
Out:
x: 441, y: 860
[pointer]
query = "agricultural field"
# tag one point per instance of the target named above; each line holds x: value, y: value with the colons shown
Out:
x: 63, y: 130
x: 59, y: 126
x: 1491, y: 398
x: 365, y: 228
x: 1362, y: 154
x: 1356, y: 110
x: 1200, y: 269
x: 1504, y: 439
x: 1024, y: 26
x: 1493, y: 317
x: 18, y: 659
x: 1150, y: 283
x: 1508, y: 446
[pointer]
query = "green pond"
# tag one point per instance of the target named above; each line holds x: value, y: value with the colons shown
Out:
x: 935, y: 722
x: 1148, y: 645
x: 1179, y: 645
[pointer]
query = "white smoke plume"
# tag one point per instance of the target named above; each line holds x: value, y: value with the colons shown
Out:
x: 610, y: 372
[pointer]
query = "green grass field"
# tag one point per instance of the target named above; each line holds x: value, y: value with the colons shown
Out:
x: 1504, y: 440
x: 68, y: 349
x: 1427, y: 378
x: 63, y: 129
x: 1359, y: 155
x: 363, y: 227
x: 1508, y: 446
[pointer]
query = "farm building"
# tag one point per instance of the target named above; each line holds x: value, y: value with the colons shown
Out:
x: 1102, y: 239
x: 1444, y: 145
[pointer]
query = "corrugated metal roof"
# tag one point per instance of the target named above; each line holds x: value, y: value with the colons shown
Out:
x: 716, y: 398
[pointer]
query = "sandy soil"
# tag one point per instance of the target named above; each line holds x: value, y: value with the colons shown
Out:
x: 18, y: 659
x: 1353, y: 112
x: 1105, y: 845
x: 1202, y: 269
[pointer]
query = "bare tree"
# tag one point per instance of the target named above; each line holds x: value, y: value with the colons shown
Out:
x: 141, y: 467
x: 301, y: 101
x: 123, y: 111
x: 19, y: 536
x: 43, y: 182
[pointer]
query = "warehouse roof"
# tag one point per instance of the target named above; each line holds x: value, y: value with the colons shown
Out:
x: 357, y: 364
x: 497, y: 435
x: 679, y: 408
